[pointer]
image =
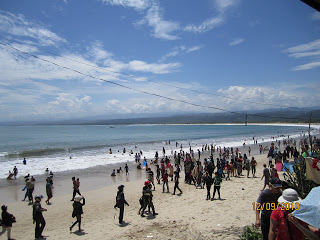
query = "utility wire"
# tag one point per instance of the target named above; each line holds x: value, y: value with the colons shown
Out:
x: 166, y: 84
x: 141, y: 91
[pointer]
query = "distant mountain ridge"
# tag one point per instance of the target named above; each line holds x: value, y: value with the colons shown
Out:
x: 278, y: 116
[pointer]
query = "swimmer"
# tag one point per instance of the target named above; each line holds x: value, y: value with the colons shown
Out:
x: 113, y: 174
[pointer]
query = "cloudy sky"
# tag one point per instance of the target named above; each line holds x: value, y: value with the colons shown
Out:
x: 67, y: 59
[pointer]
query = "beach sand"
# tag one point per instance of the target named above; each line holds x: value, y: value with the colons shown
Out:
x: 185, y: 216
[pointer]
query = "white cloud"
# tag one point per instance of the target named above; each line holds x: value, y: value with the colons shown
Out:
x: 314, y: 45
x: 67, y: 103
x: 169, y: 30
x: 113, y: 101
x: 18, y: 26
x: 137, y: 65
x: 236, y: 41
x: 305, y: 54
x: 223, y: 5
x: 180, y: 50
x: 310, y: 50
x: 193, y: 49
x: 161, y: 28
x: 307, y: 66
x: 136, y: 4
x: 252, y: 97
x: 205, y: 26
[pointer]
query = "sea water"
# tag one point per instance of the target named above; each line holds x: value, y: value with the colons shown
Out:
x: 71, y: 147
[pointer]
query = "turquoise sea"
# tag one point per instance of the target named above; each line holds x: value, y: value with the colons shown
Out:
x: 88, y: 145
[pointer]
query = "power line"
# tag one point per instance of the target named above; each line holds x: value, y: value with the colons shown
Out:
x: 141, y: 91
x: 166, y: 84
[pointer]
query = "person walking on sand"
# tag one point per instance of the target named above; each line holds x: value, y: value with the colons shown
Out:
x: 270, y: 196
x: 147, y: 200
x: 120, y: 201
x: 75, y: 188
x: 7, y: 220
x: 38, y: 218
x: 217, y: 185
x: 77, y: 211
x: 176, y: 183
x: 266, y: 176
x: 253, y: 164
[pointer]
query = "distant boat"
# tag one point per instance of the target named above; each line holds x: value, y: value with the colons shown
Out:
x: 112, y: 127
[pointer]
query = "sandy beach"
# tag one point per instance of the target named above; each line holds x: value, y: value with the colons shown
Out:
x: 185, y: 216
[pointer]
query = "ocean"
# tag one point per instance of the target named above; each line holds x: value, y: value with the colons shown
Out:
x: 72, y: 147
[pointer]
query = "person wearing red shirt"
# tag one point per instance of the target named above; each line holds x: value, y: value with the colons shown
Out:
x: 280, y: 227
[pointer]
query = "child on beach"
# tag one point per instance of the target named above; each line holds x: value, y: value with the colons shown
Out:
x: 217, y: 184
x: 113, y: 174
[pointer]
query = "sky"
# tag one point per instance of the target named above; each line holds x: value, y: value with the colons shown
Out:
x: 68, y: 59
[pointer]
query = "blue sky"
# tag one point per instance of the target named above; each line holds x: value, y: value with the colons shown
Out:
x: 236, y: 55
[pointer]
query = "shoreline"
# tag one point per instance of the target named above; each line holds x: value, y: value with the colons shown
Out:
x: 186, y: 216
x: 99, y: 176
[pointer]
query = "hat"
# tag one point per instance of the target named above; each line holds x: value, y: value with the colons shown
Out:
x: 3, y: 207
x: 77, y: 198
x: 289, y: 195
x: 276, y: 182
x: 146, y: 183
x: 38, y: 197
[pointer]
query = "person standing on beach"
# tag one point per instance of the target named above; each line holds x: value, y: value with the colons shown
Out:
x: 176, y: 183
x: 127, y: 169
x: 7, y: 220
x: 30, y: 188
x: 15, y: 172
x: 48, y: 190
x: 266, y: 176
x: 270, y: 196
x: 165, y: 181
x: 38, y: 218
x: 77, y: 211
x: 151, y: 178
x: 208, y: 182
x: 120, y: 201
x: 75, y: 188
x: 217, y: 185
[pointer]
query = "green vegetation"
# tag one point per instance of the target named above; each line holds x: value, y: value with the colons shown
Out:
x: 251, y: 233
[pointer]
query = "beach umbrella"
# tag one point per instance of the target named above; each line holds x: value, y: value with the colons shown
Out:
x: 309, y: 208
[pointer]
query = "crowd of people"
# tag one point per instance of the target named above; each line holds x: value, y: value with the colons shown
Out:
x: 202, y: 173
